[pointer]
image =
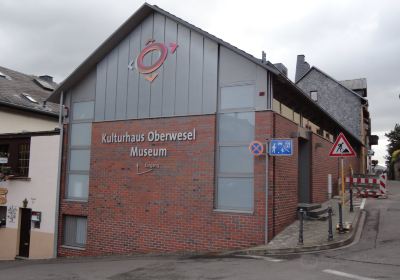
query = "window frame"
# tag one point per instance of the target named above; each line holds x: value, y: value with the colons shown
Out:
x: 239, y: 175
x: 14, y: 159
x: 316, y: 95
x: 78, y: 148
x: 75, y: 244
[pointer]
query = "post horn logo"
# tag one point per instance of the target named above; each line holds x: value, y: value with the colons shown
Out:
x: 149, y: 70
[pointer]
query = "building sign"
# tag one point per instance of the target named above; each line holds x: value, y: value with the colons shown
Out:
x: 152, y: 137
x: 3, y: 196
x: 3, y: 160
x: 281, y: 147
x: 161, y: 51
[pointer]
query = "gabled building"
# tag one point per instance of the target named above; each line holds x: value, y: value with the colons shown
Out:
x: 29, y: 148
x: 156, y: 155
x: 345, y: 100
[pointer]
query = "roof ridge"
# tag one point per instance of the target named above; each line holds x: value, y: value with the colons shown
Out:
x: 333, y: 79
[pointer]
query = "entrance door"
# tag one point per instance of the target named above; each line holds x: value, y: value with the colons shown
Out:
x: 25, y: 232
x: 304, y: 170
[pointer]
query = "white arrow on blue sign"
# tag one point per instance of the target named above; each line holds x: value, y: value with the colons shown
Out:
x: 280, y: 147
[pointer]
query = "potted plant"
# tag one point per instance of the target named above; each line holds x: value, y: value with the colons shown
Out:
x: 5, y: 173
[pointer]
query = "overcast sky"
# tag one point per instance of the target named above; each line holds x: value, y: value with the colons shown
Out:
x: 346, y: 39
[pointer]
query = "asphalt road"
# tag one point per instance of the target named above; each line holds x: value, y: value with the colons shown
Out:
x: 375, y: 256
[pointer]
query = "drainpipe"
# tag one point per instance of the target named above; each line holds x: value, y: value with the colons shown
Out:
x: 273, y: 179
x: 60, y: 152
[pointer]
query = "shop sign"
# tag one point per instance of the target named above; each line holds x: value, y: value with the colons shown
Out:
x: 3, y: 196
x: 3, y: 160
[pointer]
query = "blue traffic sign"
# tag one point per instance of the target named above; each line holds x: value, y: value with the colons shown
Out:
x: 281, y: 147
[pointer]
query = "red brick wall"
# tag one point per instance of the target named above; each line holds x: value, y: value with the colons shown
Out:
x: 284, y: 178
x: 171, y: 209
x: 264, y: 129
x: 168, y: 210
x: 322, y: 165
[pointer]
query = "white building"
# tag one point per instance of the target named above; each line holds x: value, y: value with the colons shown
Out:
x: 29, y: 149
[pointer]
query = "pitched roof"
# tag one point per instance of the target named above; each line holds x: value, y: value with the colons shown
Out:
x: 355, y: 84
x: 333, y: 79
x: 124, y: 30
x: 26, y: 92
x: 145, y: 10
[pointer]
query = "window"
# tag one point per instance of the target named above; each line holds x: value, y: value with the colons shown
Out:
x: 236, y: 125
x: 30, y: 98
x: 3, y: 216
x: 2, y: 75
x: 75, y: 231
x: 81, y: 134
x: 314, y: 95
x: 79, y: 153
x: 14, y: 155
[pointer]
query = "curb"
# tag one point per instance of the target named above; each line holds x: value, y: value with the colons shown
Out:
x: 360, y: 216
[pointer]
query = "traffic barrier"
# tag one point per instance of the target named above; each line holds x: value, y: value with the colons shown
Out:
x: 382, y: 185
x: 369, y: 186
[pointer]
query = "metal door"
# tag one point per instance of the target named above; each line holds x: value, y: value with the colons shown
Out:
x: 25, y: 232
x: 304, y: 170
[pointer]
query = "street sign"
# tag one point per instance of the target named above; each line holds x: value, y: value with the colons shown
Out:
x: 280, y: 147
x: 342, y: 148
x: 256, y: 148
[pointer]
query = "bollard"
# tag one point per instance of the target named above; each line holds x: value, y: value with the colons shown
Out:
x: 330, y: 231
x: 341, y: 230
x: 351, y: 199
x: 301, y: 217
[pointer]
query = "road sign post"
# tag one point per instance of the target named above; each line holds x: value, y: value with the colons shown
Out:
x: 342, y: 148
x: 257, y: 149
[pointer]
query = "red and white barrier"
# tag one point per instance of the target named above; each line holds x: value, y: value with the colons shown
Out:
x: 362, y: 180
x: 368, y: 188
x: 382, y: 184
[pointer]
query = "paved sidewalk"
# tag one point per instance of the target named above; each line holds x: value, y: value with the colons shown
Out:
x: 315, y: 236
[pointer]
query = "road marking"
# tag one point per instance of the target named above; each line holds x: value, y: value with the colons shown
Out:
x: 347, y: 275
x: 363, y: 203
x: 259, y: 258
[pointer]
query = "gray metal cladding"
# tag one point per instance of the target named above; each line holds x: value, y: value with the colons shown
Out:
x: 132, y: 101
x: 100, y: 101
x: 122, y: 85
x: 186, y: 83
x: 111, y: 87
x: 85, y: 90
x: 235, y: 70
x: 144, y: 86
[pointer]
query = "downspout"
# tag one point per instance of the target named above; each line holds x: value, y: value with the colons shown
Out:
x: 60, y: 152
x: 273, y: 179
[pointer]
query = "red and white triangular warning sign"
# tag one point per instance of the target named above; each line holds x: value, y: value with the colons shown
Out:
x: 342, y: 148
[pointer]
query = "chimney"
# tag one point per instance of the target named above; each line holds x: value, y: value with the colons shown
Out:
x: 282, y: 68
x: 263, y: 57
x: 302, y: 67
x: 46, y: 78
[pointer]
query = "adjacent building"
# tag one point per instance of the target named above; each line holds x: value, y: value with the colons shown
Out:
x: 156, y: 151
x: 29, y: 149
x: 346, y: 101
